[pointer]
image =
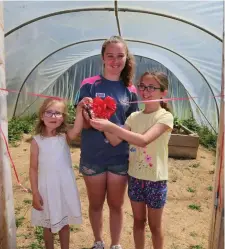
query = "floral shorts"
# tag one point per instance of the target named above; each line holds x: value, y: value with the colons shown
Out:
x: 152, y: 193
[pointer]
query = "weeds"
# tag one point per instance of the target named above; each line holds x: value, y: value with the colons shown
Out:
x: 75, y: 166
x: 194, y: 207
x: 210, y: 188
x: 27, y: 201
x: 191, y: 190
x: 196, y: 247
x: 195, y: 165
x: 71, y: 113
x: 206, y: 137
x: 19, y: 126
x: 19, y: 221
x: 38, y: 244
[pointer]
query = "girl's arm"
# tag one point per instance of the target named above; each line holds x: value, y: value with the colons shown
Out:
x: 78, y: 125
x: 33, y: 174
x: 140, y: 140
x: 113, y: 139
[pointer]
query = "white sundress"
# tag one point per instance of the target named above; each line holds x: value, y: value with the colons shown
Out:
x: 57, y: 185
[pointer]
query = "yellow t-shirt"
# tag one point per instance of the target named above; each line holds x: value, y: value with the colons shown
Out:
x: 150, y: 163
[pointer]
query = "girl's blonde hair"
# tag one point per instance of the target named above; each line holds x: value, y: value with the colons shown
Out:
x: 127, y: 73
x: 163, y: 81
x: 40, y: 127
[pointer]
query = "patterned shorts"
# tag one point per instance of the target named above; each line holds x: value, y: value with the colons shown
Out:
x: 152, y: 193
x: 92, y: 169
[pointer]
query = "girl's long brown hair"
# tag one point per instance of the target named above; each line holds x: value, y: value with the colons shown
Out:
x: 40, y: 127
x: 163, y: 81
x: 127, y: 73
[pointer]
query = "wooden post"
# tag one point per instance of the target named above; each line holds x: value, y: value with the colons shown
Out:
x: 7, y: 217
x: 216, y: 236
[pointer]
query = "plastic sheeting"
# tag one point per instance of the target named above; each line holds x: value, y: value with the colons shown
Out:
x: 64, y: 86
x: 48, y: 43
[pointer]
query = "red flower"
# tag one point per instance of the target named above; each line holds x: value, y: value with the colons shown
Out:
x: 104, y: 108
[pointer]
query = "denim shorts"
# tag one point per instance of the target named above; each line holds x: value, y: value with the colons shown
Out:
x: 153, y: 194
x: 92, y: 169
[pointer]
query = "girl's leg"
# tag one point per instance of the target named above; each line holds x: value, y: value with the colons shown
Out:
x: 64, y: 236
x: 48, y: 238
x: 96, y: 190
x: 139, y: 213
x: 155, y: 224
x: 116, y: 187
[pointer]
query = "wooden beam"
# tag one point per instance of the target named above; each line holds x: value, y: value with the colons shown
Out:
x: 7, y: 216
x: 216, y: 236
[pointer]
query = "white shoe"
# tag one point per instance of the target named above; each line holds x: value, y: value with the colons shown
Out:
x: 98, y: 245
x: 116, y: 247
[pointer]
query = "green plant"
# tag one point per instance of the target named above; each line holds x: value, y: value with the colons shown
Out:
x: 19, y: 221
x: 177, y: 122
x: 210, y: 188
x: 39, y: 234
x: 35, y: 245
x: 27, y: 201
x: 194, y: 207
x: 206, y: 137
x: 191, y: 190
x: 18, y: 209
x: 71, y: 113
x: 18, y: 126
x: 196, y: 247
x: 75, y: 166
x: 38, y: 244
x: 191, y: 124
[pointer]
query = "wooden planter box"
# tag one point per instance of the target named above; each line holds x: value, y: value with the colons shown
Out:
x: 184, y: 145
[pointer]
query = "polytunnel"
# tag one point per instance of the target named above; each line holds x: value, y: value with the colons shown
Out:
x: 50, y: 47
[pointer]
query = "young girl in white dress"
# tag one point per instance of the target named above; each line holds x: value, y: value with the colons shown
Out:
x: 56, y: 201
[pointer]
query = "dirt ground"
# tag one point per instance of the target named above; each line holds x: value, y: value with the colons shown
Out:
x: 186, y: 218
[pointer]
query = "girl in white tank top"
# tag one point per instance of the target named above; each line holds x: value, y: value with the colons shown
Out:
x: 56, y: 201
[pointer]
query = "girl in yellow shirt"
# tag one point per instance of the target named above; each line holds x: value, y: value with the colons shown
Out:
x: 147, y: 132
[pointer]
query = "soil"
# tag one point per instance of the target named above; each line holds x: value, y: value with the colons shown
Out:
x: 185, y: 227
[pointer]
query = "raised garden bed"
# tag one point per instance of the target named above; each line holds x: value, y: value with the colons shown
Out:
x: 183, y: 143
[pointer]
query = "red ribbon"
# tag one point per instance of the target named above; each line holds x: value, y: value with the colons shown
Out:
x: 12, y: 163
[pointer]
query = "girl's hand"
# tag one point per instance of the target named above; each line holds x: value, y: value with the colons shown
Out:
x: 102, y: 124
x: 37, y: 202
x: 81, y: 105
